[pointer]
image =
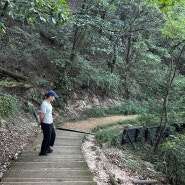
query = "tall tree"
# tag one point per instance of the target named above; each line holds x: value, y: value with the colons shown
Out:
x: 174, y: 13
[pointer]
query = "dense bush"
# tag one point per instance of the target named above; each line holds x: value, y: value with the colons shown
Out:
x: 148, y: 119
x: 95, y: 112
x: 128, y: 108
x: 108, y: 135
x: 8, y: 105
x: 174, y: 160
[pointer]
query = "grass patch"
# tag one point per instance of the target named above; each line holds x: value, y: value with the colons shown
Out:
x: 108, y: 136
x: 102, y: 127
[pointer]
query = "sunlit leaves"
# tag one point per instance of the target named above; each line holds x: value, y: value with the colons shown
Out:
x: 2, y: 29
x: 174, y: 15
x: 165, y: 4
x: 175, y: 22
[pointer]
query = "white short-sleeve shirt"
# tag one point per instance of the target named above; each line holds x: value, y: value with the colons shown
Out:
x: 46, y: 108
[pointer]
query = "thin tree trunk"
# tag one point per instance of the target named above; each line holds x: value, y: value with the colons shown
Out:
x: 166, y: 97
x: 128, y: 54
x: 76, y: 48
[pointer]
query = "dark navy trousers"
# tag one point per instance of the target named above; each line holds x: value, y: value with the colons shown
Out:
x: 48, y: 137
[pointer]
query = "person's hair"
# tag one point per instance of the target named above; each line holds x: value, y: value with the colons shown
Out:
x: 47, y: 95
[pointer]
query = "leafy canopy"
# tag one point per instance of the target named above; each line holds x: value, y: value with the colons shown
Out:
x: 174, y: 15
x: 55, y: 11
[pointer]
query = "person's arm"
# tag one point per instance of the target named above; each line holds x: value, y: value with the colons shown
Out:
x: 41, y: 116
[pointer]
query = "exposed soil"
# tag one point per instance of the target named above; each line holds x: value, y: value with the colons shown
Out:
x: 89, y: 124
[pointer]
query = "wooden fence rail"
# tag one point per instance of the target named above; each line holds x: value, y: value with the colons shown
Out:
x: 147, y: 134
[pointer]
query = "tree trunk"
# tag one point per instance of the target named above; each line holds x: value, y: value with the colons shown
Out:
x: 76, y: 48
x: 166, y: 97
x: 127, y: 70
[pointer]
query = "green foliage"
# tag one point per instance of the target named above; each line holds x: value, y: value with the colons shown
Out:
x: 107, y: 135
x: 25, y: 48
x: 165, y: 5
x: 177, y: 99
x: 134, y: 164
x: 148, y: 120
x: 101, y: 127
x: 8, y: 105
x: 2, y: 29
x: 29, y: 11
x: 94, y: 112
x: 173, y: 160
x: 125, y: 35
x: 174, y: 11
x: 43, y: 82
x: 96, y: 76
x: 130, y: 123
x: 128, y: 108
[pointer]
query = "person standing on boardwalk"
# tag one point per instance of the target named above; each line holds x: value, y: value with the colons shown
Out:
x: 46, y: 122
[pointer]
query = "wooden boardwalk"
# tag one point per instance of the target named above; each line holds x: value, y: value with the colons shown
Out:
x: 65, y: 166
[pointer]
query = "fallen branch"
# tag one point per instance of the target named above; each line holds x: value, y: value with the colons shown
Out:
x: 15, y: 84
x: 13, y: 75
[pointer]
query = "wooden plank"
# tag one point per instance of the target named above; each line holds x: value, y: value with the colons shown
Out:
x: 132, y: 135
x: 145, y: 182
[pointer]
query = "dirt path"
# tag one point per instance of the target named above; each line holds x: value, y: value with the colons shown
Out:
x: 87, y: 125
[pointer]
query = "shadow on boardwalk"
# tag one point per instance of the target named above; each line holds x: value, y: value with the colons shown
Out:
x: 65, y: 166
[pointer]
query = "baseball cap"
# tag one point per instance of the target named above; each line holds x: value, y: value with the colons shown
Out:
x: 51, y: 93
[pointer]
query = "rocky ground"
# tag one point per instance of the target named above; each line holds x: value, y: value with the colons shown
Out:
x: 108, y: 166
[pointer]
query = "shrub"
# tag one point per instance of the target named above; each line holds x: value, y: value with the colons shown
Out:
x: 108, y: 135
x: 98, y: 128
x: 128, y: 108
x: 94, y: 112
x: 8, y: 105
x: 148, y: 119
x: 174, y: 160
